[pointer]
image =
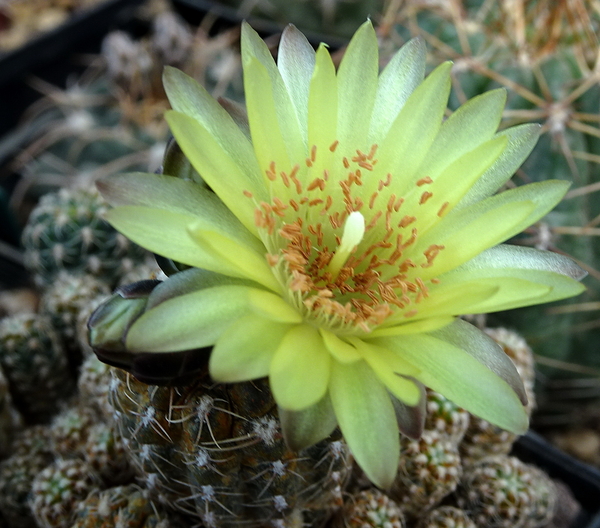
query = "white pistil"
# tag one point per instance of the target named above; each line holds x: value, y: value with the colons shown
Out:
x: 354, y: 231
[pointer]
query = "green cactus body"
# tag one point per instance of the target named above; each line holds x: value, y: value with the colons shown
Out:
x: 30, y: 453
x: 446, y: 517
x: 217, y: 452
x: 57, y: 489
x: 10, y: 419
x: 446, y: 417
x: 69, y: 432
x: 63, y: 301
x: 503, y: 492
x: 35, y: 363
x: 66, y: 232
x: 429, y: 470
x: 93, y: 387
x: 122, y: 506
x: 16, y: 477
x: 370, y: 509
x: 77, y: 433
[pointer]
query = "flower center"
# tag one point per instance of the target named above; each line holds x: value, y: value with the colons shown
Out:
x: 342, y: 242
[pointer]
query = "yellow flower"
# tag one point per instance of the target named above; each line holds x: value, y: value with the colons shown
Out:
x: 345, y: 227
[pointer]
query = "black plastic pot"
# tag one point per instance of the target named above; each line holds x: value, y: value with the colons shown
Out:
x: 582, y: 479
x: 64, y: 38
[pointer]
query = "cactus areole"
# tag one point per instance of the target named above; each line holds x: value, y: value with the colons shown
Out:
x: 339, y: 227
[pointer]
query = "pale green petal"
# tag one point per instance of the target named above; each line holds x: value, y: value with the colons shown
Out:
x: 223, y: 175
x: 411, y: 327
x: 177, y: 196
x: 468, y: 232
x: 397, y: 81
x: 273, y: 307
x: 454, y: 182
x: 357, y: 86
x: 187, y: 96
x: 472, y: 124
x: 367, y: 419
x: 341, y: 350
x: 521, y: 140
x: 269, y: 105
x: 524, y: 258
x: 302, y: 429
x: 194, y: 320
x: 296, y: 62
x: 392, y: 370
x: 270, y: 143
x: 412, y: 133
x: 246, y: 260
x: 245, y: 349
x: 165, y: 233
x: 524, y: 276
x: 445, y: 300
x: 509, y: 289
x: 300, y: 368
x: 485, y: 350
x: 457, y: 375
x: 322, y: 108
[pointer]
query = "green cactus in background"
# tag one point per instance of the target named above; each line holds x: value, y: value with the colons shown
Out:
x: 10, y: 418
x: 446, y: 517
x: 30, y: 455
x: 430, y: 470
x: 57, y: 489
x: 64, y: 300
x: 35, y: 363
x: 66, y: 233
x: 446, y: 417
x: 370, y: 509
x: 122, y: 506
x: 93, y: 387
x: 503, y: 492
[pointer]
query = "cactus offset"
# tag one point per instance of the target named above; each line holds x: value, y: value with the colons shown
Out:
x: 35, y: 363
x: 66, y: 232
x: 57, y: 489
x: 430, y: 470
x: 446, y: 517
x: 503, y: 492
x: 370, y: 509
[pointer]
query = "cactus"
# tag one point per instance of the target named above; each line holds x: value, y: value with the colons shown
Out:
x: 121, y: 506
x: 217, y: 452
x: 370, y: 509
x: 57, y: 489
x: 30, y: 455
x: 35, y: 363
x: 545, y: 55
x: 503, y: 492
x: 446, y: 417
x: 430, y: 470
x: 10, y: 418
x: 446, y: 517
x: 66, y: 297
x: 66, y: 233
x: 93, y: 387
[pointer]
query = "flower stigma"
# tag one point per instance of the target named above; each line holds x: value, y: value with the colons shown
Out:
x: 340, y: 245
